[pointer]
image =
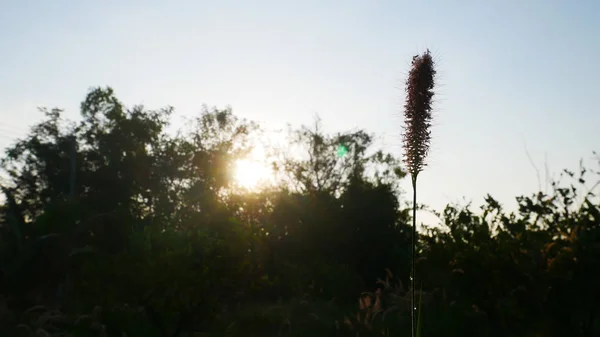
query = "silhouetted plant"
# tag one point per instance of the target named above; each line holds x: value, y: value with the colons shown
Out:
x: 417, y: 136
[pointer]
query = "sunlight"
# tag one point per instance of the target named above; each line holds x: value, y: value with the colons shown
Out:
x: 250, y: 174
x: 253, y: 171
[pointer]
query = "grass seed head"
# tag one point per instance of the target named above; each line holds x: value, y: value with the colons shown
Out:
x: 417, y: 112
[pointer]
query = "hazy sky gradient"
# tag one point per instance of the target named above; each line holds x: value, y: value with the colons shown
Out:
x: 512, y: 73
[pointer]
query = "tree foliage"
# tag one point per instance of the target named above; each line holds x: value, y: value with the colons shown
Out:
x: 112, y: 226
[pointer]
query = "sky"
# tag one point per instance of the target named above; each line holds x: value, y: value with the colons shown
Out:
x: 517, y: 79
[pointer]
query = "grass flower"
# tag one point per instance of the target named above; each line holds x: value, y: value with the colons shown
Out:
x: 417, y: 138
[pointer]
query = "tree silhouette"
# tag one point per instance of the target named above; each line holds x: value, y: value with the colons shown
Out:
x: 112, y: 226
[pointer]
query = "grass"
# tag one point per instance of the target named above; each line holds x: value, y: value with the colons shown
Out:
x: 417, y: 138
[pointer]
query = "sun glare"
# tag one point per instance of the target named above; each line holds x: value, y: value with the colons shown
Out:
x: 250, y: 174
x: 253, y: 171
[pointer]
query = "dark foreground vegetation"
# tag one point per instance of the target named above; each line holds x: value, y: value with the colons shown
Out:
x: 111, y: 227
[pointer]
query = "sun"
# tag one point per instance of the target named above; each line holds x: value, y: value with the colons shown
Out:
x: 253, y: 171
x: 250, y: 174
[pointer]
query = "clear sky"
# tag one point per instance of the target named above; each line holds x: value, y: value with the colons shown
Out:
x: 514, y: 74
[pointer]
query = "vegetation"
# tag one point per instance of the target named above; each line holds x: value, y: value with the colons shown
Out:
x: 417, y: 135
x: 110, y: 226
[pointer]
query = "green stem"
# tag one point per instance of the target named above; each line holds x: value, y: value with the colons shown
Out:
x: 419, y: 314
x: 414, y: 253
